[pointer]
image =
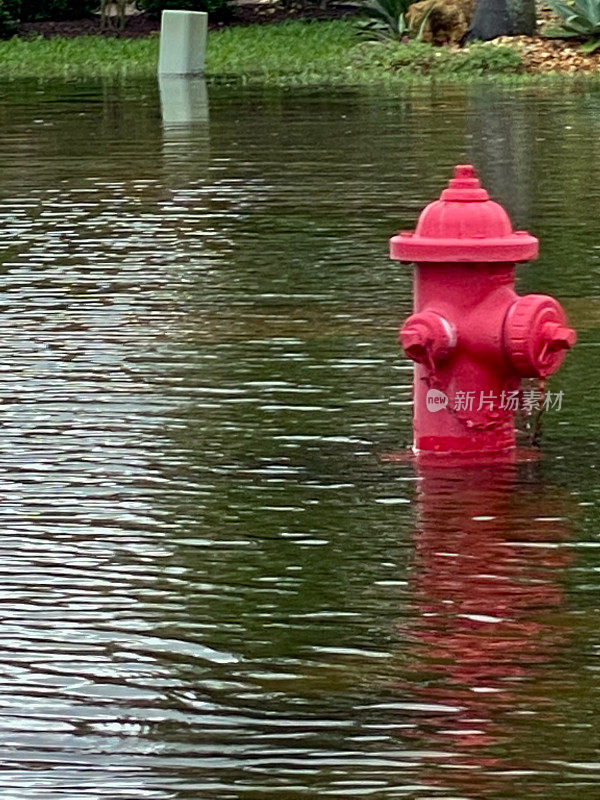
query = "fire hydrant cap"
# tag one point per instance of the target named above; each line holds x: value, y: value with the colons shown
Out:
x: 464, y: 225
x: 536, y: 335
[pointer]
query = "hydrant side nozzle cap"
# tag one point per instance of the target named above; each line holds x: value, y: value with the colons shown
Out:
x: 536, y: 335
x: 426, y: 336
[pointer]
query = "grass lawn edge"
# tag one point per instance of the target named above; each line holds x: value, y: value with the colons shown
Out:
x: 293, y: 54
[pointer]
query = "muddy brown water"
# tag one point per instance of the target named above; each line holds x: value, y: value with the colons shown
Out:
x: 212, y: 583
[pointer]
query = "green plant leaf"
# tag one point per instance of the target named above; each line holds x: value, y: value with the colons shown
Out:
x: 559, y: 33
x: 590, y: 9
x: 401, y: 26
x: 423, y: 23
x: 581, y: 19
x: 591, y: 46
x: 563, y: 10
x: 391, y: 14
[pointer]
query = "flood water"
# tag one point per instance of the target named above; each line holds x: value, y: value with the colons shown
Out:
x: 214, y: 582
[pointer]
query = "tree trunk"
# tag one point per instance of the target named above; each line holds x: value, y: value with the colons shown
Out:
x: 522, y: 15
x: 494, y: 18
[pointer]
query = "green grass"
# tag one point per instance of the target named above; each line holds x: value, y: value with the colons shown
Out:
x: 295, y: 52
x: 292, y: 54
x: 300, y: 53
x: 82, y: 57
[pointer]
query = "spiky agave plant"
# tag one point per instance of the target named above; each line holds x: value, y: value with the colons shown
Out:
x: 387, y: 19
x: 578, y: 21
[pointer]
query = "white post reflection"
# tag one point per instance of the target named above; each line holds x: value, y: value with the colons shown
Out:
x: 183, y: 100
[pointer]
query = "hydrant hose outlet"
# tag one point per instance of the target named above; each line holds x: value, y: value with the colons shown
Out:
x: 472, y: 338
x: 536, y: 336
x: 427, y: 338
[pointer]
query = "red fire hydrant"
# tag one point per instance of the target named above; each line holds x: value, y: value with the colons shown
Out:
x: 472, y: 338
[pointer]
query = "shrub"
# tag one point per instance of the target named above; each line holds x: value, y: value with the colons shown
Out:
x: 480, y: 58
x: 579, y: 21
x: 388, y: 20
x: 416, y: 57
x: 218, y: 8
x: 32, y: 10
x: 8, y: 23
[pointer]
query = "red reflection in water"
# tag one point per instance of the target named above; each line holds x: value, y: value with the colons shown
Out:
x: 487, y: 586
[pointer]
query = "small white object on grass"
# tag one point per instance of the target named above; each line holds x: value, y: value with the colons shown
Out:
x: 182, y: 42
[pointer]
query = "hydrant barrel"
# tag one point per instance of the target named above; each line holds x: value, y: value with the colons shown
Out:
x: 472, y: 338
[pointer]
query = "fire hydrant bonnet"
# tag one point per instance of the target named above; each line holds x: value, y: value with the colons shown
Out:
x: 464, y: 225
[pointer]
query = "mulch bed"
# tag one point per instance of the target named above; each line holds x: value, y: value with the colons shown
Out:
x: 541, y: 55
x: 140, y: 25
x: 137, y: 26
x: 551, y: 55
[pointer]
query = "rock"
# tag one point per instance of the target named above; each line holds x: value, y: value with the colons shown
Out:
x: 447, y: 22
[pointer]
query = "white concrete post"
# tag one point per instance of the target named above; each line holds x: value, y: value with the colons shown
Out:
x: 182, y: 42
